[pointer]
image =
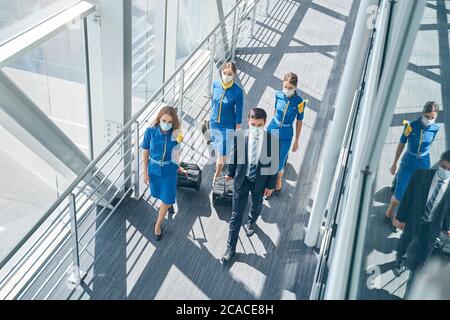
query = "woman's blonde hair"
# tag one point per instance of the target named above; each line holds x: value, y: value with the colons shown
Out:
x: 292, y: 78
x: 171, y: 112
x: 229, y: 65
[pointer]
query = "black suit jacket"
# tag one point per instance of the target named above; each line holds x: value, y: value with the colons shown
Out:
x: 238, y: 165
x: 413, y: 204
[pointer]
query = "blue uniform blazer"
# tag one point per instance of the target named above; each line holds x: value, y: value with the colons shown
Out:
x: 287, y: 110
x: 160, y: 146
x: 419, y: 137
x: 227, y: 106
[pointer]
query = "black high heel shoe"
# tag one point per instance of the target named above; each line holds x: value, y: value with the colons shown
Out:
x: 157, y: 236
x: 171, y: 210
x: 277, y: 192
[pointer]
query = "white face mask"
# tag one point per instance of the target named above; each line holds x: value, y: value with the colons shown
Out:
x: 226, y: 79
x: 443, y: 174
x: 165, y: 126
x: 427, y: 122
x: 255, y: 131
x: 288, y: 93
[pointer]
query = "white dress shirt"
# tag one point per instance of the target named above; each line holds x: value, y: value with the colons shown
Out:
x: 259, y: 144
x: 441, y: 193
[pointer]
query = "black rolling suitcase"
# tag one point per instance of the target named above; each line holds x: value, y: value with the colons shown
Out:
x: 223, y: 192
x: 192, y: 179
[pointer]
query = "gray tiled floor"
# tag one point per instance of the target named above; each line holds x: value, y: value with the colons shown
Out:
x: 126, y: 263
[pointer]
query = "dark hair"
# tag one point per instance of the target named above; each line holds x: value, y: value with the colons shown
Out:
x: 257, y: 113
x: 291, y: 78
x: 171, y: 112
x: 446, y: 156
x: 228, y: 65
x: 430, y: 106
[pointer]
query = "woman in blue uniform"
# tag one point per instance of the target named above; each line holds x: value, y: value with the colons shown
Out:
x: 289, y: 109
x: 161, y: 156
x: 418, y: 135
x: 226, y: 115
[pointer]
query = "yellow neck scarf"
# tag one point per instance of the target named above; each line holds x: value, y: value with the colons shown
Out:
x: 228, y: 85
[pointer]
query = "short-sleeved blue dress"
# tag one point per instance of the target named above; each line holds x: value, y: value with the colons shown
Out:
x: 417, y: 155
x: 226, y: 112
x: 287, y: 111
x: 162, y: 169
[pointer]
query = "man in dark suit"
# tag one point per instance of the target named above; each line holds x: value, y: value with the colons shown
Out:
x: 424, y: 211
x: 253, y: 166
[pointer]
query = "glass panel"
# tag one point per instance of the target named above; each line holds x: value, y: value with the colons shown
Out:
x: 390, y: 254
x: 53, y: 76
x: 148, y: 49
x: 17, y: 16
x: 196, y: 18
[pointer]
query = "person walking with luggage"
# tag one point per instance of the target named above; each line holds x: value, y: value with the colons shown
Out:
x: 424, y: 211
x: 419, y: 136
x: 289, y: 109
x: 227, y: 105
x: 161, y: 157
x: 254, y: 170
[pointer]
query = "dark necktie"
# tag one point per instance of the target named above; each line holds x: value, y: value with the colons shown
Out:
x: 430, y: 203
x: 253, y: 160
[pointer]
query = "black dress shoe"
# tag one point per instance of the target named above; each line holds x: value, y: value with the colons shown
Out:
x: 171, y: 210
x: 250, y: 229
x: 399, y: 268
x: 157, y: 236
x: 229, y: 254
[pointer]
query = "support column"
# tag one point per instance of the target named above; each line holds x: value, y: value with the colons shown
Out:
x: 346, y: 93
x: 170, y: 36
x: 109, y: 41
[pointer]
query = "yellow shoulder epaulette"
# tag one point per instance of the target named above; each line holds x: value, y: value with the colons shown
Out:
x: 301, y: 106
x: 180, y: 137
x: 408, y: 128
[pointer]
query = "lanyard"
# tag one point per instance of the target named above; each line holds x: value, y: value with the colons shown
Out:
x: 220, y: 105
x: 165, y: 148
x: 284, y: 112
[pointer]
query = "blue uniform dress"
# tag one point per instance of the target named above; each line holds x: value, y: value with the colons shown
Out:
x: 417, y: 155
x: 162, y: 170
x: 227, y: 107
x: 287, y: 111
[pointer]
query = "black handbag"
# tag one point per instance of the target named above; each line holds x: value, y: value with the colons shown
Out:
x: 223, y: 192
x: 191, y: 179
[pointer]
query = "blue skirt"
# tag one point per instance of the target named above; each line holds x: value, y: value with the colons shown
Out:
x: 222, y: 140
x: 285, y: 146
x: 285, y: 137
x: 164, y: 188
x: 408, y: 166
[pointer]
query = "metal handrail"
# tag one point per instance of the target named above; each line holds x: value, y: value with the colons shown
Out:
x: 175, y: 84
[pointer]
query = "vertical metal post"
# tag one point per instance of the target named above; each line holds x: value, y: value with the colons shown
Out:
x: 252, y: 28
x: 267, y: 7
x: 181, y: 95
x: 88, y: 86
x: 237, y: 21
x: 212, y: 49
x: 136, y: 160
x: 233, y: 32
x: 76, y: 275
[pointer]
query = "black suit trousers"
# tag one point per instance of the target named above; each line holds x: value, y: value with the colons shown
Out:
x: 240, y: 200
